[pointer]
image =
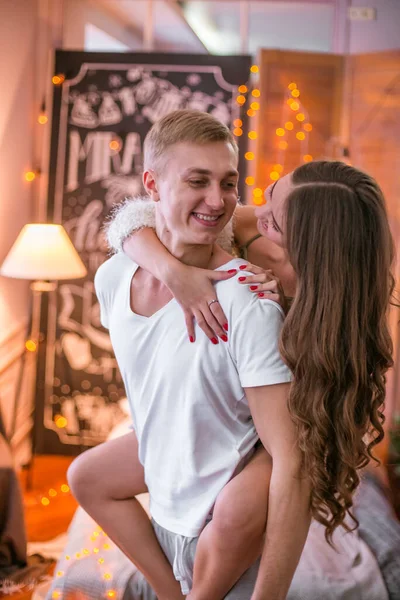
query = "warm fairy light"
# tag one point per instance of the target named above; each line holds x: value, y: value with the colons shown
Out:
x: 280, y: 131
x: 114, y: 145
x: 86, y: 551
x: 300, y: 135
x: 67, y: 557
x: 252, y: 135
x: 249, y: 156
x: 30, y: 176
x: 259, y: 200
x: 56, y: 594
x: 237, y: 131
x: 241, y: 99
x: 95, y: 534
x: 295, y: 93
x: 307, y: 127
x: 100, y: 561
x: 78, y: 555
x: 300, y: 117
x: 290, y: 101
x: 52, y: 493
x: 58, y: 79
x: 45, y: 501
x: 42, y: 119
x: 251, y: 112
x: 295, y: 106
x: 237, y: 123
x: 292, y: 86
x: 255, y: 105
x: 289, y: 125
x: 60, y: 421
x: 106, y: 546
x: 107, y: 576
x: 257, y: 192
x: 111, y: 594
x: 274, y: 175
x: 30, y: 345
x: 282, y: 145
x: 249, y: 180
x: 256, y: 93
x: 60, y: 573
x: 278, y: 168
x: 307, y: 158
x: 242, y: 89
x: 254, y: 69
x: 64, y: 488
x: 96, y: 550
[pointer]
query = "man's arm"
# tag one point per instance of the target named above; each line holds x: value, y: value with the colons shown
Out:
x: 289, y: 496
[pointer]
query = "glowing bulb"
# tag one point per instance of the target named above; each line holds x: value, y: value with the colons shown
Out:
x: 101, y: 561
x: 106, y: 546
x: 295, y: 105
x: 278, y: 168
x: 60, y: 573
x: 295, y: 93
x: 30, y: 175
x: 249, y: 156
x: 96, y: 550
x: 307, y: 158
x: 257, y: 192
x: 254, y: 69
x: 282, y: 145
x: 56, y: 594
x: 86, y: 551
x: 255, y: 105
x: 114, y: 145
x: 300, y: 135
x: 274, y: 175
x: 240, y: 99
x: 237, y: 123
x: 42, y: 119
x: 30, y: 345
x: 307, y: 127
x: 300, y: 117
x: 111, y: 594
x: 60, y: 421
x: 242, y: 89
x: 280, y: 131
x: 253, y: 135
x: 58, y: 79
x: 67, y: 557
x: 64, y: 488
x: 78, y: 555
x: 290, y: 101
x: 45, y: 501
x: 256, y: 93
x: 289, y: 125
x: 251, y: 112
x: 238, y: 132
x: 107, y: 576
x: 259, y: 201
x: 52, y: 493
x: 292, y: 86
x: 249, y: 180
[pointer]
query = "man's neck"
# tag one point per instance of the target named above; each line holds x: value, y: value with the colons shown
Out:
x: 193, y: 255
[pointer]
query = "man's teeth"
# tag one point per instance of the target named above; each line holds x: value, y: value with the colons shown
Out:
x: 206, y: 217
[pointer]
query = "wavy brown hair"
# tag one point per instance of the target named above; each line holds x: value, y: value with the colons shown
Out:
x: 335, y: 338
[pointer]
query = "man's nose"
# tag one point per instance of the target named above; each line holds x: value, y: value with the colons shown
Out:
x: 214, y: 198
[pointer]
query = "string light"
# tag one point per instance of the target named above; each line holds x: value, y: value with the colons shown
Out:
x: 300, y: 117
x: 292, y: 86
x: 257, y: 192
x: 42, y: 116
x: 249, y: 156
x: 289, y: 125
x: 58, y: 79
x: 280, y: 131
x: 295, y: 106
x: 307, y: 127
x: 300, y: 135
x: 283, y: 145
x: 254, y: 69
x: 249, y: 180
x: 30, y: 345
x: 60, y: 421
x: 251, y: 112
x: 31, y: 175
x: 252, y: 135
x: 111, y: 594
x: 237, y: 132
x: 307, y: 158
x: 241, y: 99
x: 45, y: 501
x: 256, y: 93
x: 255, y: 105
x: 237, y: 123
x: 295, y: 93
x: 242, y: 89
x: 274, y: 175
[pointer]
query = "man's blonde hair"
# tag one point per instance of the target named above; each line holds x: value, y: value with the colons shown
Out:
x: 191, y: 126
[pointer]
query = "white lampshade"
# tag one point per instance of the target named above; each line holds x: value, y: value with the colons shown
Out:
x: 43, y: 252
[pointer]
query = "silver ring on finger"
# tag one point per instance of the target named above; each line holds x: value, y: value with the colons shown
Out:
x: 212, y: 302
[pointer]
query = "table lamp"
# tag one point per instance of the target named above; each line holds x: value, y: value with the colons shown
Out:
x: 44, y: 254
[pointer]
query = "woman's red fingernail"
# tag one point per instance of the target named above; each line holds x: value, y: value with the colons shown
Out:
x: 226, y: 327
x: 224, y: 338
x: 253, y: 287
x: 191, y: 338
x: 232, y: 271
x: 261, y: 295
x: 241, y: 278
x: 214, y: 340
x: 243, y: 267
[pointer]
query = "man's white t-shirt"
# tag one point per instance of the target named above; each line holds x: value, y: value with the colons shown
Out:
x: 189, y: 408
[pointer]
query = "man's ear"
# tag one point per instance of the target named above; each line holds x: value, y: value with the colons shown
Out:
x: 150, y: 185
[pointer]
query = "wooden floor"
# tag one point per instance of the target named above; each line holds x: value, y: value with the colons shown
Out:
x: 49, y: 505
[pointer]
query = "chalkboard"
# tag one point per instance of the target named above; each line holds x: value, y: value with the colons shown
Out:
x: 101, y: 114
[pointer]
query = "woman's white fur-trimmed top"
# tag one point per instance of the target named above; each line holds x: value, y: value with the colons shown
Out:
x: 136, y: 213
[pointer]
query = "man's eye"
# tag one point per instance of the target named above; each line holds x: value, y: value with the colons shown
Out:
x: 230, y: 184
x: 197, y: 182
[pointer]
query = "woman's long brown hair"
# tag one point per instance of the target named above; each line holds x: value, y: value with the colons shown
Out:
x: 335, y: 337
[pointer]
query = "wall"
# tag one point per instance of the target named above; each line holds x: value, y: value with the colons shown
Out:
x: 382, y: 34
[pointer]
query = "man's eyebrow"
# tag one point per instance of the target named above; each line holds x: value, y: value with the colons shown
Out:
x: 231, y: 173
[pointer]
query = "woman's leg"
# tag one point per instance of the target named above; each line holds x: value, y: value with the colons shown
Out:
x: 105, y: 481
x: 233, y: 539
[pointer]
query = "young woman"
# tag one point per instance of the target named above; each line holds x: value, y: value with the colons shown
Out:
x: 329, y: 223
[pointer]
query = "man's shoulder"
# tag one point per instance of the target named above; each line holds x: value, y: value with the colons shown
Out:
x: 109, y: 274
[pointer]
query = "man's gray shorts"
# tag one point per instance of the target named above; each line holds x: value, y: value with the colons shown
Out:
x: 180, y: 552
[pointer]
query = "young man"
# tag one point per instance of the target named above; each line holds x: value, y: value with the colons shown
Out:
x: 199, y: 409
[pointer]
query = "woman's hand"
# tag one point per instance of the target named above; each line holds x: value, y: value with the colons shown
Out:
x: 265, y: 284
x: 194, y: 291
